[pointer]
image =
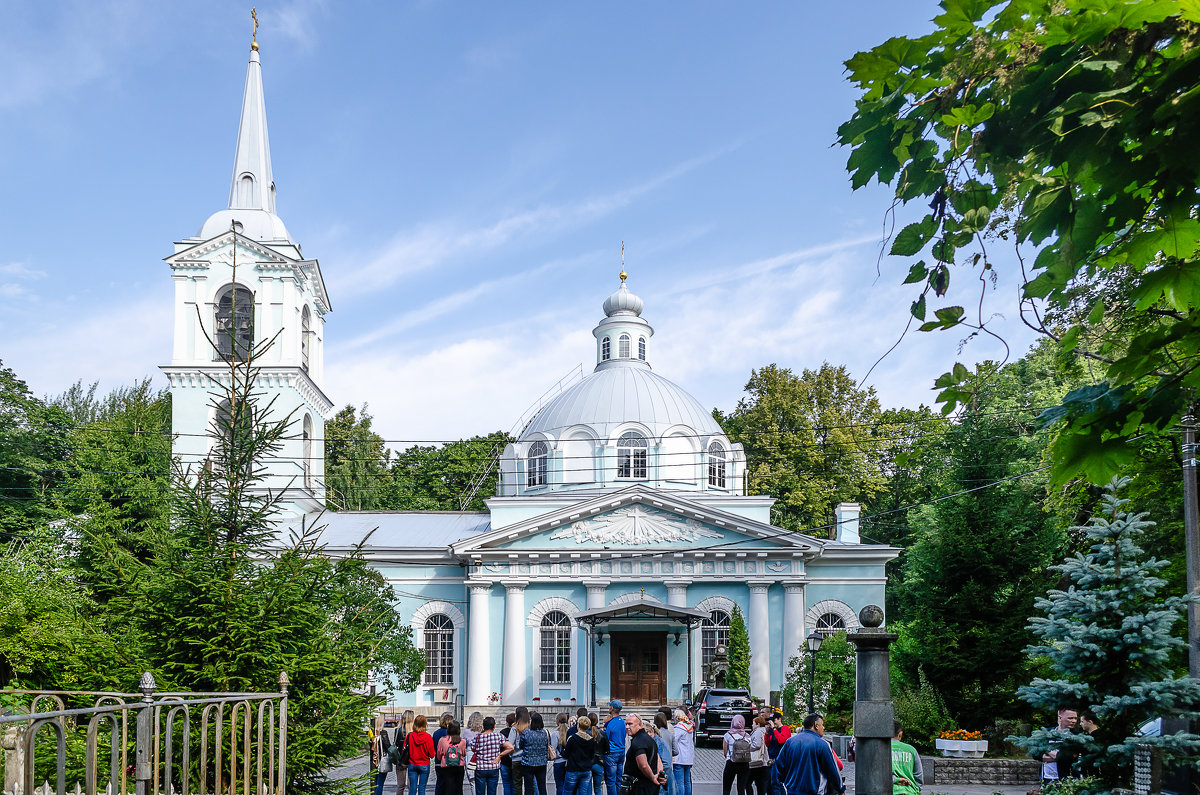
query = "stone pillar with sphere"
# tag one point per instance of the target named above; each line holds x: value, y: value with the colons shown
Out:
x: 873, y: 710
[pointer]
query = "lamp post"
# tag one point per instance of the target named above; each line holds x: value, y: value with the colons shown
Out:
x: 814, y: 644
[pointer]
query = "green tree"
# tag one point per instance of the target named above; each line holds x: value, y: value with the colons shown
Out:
x: 34, y: 449
x: 980, y: 556
x: 739, y: 652
x: 1108, y: 636
x: 808, y: 441
x: 1063, y: 125
x: 833, y: 683
x: 357, y: 462
x: 452, y: 477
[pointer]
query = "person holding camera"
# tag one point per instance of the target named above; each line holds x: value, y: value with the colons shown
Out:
x: 643, y: 768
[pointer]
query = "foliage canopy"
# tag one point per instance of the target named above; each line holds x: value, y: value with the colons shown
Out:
x: 1065, y: 126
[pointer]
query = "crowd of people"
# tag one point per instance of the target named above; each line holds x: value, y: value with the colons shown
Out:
x: 587, y: 754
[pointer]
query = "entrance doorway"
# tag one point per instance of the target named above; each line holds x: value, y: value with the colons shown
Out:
x: 639, y: 667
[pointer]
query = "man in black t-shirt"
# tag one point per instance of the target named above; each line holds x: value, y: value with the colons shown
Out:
x: 642, y: 764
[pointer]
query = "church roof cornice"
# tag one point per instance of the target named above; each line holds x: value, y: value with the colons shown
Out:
x: 639, y: 494
x: 208, y: 375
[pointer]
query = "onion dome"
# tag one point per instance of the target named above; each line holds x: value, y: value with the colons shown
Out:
x: 623, y: 302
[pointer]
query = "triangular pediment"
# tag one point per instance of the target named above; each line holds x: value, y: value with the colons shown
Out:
x: 638, y: 518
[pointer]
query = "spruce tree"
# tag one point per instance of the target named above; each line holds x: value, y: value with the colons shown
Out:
x: 1108, y: 637
x: 739, y: 651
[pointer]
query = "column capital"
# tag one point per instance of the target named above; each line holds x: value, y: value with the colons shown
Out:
x: 595, y: 585
x: 514, y: 586
x: 793, y: 586
x: 477, y: 586
x: 676, y: 584
x: 760, y: 586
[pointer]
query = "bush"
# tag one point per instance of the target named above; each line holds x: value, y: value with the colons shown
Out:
x: 922, y: 712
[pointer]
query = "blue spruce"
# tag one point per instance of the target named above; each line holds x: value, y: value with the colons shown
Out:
x: 1108, y: 637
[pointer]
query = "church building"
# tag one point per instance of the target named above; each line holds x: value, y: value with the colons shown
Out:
x: 621, y: 539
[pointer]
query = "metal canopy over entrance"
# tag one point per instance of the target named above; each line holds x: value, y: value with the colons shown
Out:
x: 639, y: 671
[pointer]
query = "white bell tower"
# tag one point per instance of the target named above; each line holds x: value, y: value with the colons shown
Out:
x: 242, y: 280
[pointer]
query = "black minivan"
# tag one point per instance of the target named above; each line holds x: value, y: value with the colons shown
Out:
x: 715, y: 708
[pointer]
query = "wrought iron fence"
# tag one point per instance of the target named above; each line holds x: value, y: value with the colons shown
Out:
x: 242, y: 739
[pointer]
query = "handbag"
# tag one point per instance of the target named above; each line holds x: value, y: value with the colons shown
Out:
x: 404, y: 752
x: 551, y: 754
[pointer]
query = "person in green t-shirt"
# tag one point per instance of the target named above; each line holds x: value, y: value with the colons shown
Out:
x: 907, y: 773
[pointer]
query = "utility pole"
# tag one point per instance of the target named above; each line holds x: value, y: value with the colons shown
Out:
x: 1191, y: 529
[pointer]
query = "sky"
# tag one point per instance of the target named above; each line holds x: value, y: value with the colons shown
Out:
x: 466, y: 174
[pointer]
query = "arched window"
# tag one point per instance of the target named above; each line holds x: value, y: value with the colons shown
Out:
x: 556, y: 648
x: 605, y: 349
x: 235, y: 323
x: 233, y: 437
x: 642, y: 348
x: 631, y: 456
x: 305, y: 336
x: 307, y: 448
x: 830, y: 624
x: 623, y: 346
x: 714, y: 632
x: 439, y: 650
x: 536, y: 462
x: 246, y: 191
x: 716, y: 465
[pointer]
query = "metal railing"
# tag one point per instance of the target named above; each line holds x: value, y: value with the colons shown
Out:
x: 242, y: 742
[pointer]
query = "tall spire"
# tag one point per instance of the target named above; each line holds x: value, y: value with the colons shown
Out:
x: 253, y: 187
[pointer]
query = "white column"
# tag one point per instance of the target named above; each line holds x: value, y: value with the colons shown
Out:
x: 514, y: 643
x: 794, y: 631
x: 760, y: 640
x: 479, y: 652
x: 677, y: 593
x: 595, y: 593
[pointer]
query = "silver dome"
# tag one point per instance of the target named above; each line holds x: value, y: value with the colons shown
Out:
x: 623, y: 301
x: 613, y: 396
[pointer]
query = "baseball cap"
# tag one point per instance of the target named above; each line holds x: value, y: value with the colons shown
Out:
x: 615, y: 704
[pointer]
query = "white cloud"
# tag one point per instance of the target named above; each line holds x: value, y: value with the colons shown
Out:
x: 420, y: 249
x: 19, y: 270
x: 294, y: 20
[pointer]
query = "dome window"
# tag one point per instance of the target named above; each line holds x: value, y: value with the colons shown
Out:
x: 235, y: 323
x: 605, y: 349
x: 716, y: 466
x: 631, y: 454
x: 642, y: 348
x: 538, y: 461
x: 623, y: 346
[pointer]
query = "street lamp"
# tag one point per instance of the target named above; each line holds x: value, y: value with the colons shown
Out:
x: 814, y: 644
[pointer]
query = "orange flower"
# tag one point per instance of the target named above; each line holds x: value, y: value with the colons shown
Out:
x: 962, y: 734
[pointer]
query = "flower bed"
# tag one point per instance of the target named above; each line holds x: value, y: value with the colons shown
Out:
x: 961, y: 744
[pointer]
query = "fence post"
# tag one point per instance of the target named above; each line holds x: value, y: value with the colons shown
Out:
x: 873, y: 709
x: 142, y: 773
x: 283, y: 688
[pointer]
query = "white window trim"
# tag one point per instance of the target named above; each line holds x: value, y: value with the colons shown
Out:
x: 419, y: 617
x: 838, y: 608
x: 578, y: 641
x: 722, y: 603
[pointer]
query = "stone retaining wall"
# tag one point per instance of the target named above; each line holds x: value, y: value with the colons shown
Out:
x: 1010, y: 772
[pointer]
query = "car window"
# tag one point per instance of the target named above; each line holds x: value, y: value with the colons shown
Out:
x: 729, y: 699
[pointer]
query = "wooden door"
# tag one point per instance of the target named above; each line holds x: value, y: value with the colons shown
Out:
x: 639, y: 667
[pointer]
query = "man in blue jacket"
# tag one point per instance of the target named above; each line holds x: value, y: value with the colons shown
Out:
x: 804, y: 759
x: 614, y: 760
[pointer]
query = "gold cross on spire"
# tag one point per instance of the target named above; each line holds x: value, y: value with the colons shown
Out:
x: 624, y: 275
x: 254, y: 35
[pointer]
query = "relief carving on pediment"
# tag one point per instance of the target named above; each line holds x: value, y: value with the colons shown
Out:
x: 636, y: 525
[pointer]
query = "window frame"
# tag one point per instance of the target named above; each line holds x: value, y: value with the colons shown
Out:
x: 305, y: 338
x: 633, y: 460
x: 642, y: 349
x: 718, y: 466
x: 438, y: 639
x: 554, y: 632
x: 307, y: 451
x: 537, y: 465
x: 605, y: 349
x: 827, y: 628
x: 712, y: 628
x: 623, y: 346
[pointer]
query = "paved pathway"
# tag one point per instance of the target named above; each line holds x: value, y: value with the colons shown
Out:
x: 706, y: 778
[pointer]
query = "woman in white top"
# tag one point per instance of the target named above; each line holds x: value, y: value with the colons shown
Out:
x: 685, y: 752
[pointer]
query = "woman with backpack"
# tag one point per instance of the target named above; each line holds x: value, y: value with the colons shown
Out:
x: 601, y: 739
x: 580, y: 758
x: 399, y: 751
x: 452, y: 759
x: 420, y: 753
x: 380, y: 760
x: 736, y: 746
x: 536, y: 748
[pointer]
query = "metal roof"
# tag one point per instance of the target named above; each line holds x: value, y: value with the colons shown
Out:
x: 396, y: 529
x: 640, y: 609
x: 616, y: 395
